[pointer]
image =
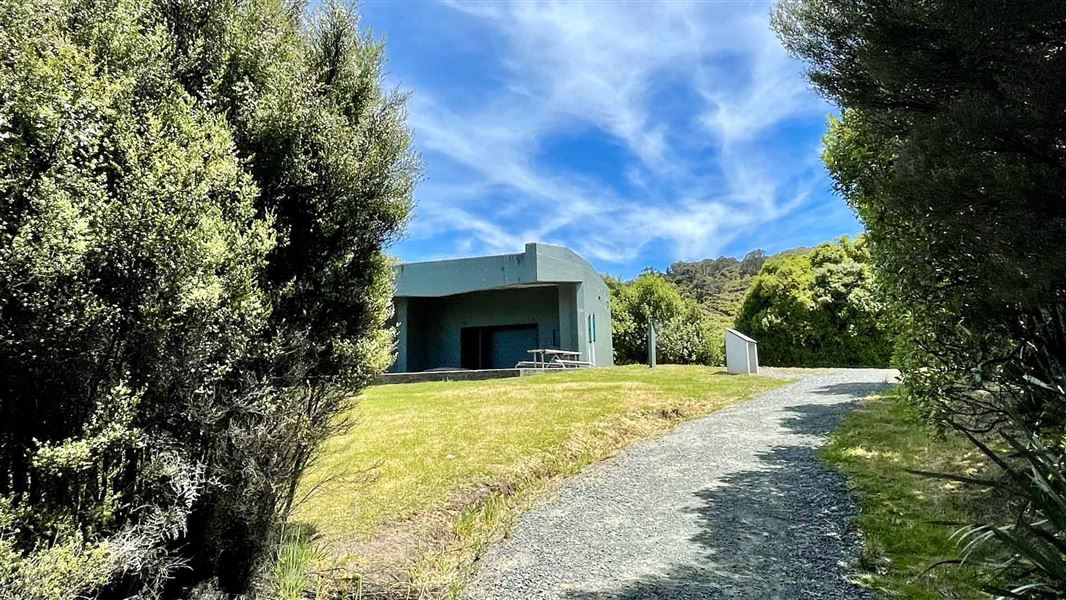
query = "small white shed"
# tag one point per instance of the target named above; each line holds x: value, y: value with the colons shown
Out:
x: 741, y: 353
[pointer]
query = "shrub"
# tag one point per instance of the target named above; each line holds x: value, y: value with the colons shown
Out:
x: 193, y: 201
x: 818, y: 309
x: 685, y: 334
x: 1023, y: 553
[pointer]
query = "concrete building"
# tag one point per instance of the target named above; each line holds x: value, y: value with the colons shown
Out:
x: 487, y: 312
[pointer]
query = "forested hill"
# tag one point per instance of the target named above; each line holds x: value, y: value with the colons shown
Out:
x: 719, y: 284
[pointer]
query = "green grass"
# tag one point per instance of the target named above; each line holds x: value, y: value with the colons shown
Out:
x: 901, y: 513
x: 294, y: 556
x: 453, y: 462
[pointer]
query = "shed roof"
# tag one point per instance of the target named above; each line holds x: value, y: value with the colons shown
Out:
x: 740, y: 335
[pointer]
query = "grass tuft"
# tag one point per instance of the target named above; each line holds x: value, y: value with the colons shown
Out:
x: 294, y: 558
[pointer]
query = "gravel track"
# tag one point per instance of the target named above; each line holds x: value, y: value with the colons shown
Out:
x: 732, y: 505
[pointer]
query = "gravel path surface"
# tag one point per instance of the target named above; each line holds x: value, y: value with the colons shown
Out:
x: 733, y: 505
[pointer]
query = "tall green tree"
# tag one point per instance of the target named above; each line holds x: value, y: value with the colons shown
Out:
x: 818, y: 309
x: 718, y: 284
x: 194, y: 197
x: 952, y: 150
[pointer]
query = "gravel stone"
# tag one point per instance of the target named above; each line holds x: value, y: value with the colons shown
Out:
x: 733, y: 505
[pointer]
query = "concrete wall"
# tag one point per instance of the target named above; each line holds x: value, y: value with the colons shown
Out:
x: 400, y: 318
x: 434, y: 324
x: 447, y: 277
x: 555, y: 263
x: 596, y: 300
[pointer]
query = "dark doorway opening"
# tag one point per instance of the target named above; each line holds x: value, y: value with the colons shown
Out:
x: 497, y: 347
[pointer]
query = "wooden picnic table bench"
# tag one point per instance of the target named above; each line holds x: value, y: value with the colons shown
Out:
x: 549, y: 358
x: 530, y: 364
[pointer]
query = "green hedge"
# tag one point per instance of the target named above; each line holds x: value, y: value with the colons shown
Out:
x: 818, y: 309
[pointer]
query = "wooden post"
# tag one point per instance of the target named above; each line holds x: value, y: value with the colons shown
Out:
x: 651, y: 345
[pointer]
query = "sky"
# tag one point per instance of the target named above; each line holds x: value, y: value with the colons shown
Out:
x: 635, y: 133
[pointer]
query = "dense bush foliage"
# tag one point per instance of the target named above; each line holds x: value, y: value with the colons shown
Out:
x: 720, y: 284
x: 950, y: 148
x: 818, y: 309
x: 685, y: 334
x: 193, y: 201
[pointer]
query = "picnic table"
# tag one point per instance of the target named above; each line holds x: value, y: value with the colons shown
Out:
x: 548, y: 358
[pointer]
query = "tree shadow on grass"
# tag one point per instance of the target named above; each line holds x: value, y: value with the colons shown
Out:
x: 855, y: 391
x: 781, y: 531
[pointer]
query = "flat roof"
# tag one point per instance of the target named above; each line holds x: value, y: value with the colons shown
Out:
x: 539, y: 264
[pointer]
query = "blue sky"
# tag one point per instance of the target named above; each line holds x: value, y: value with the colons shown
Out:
x: 636, y: 134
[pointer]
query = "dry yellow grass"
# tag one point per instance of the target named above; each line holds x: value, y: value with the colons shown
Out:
x: 452, y: 462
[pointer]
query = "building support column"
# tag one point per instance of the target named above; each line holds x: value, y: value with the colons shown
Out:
x: 568, y: 317
x: 400, y: 307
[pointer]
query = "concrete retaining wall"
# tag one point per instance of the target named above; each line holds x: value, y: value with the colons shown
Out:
x: 419, y: 377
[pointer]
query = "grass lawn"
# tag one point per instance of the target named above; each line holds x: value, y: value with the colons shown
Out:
x: 900, y: 511
x: 453, y: 462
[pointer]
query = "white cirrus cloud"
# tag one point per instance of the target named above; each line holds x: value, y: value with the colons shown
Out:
x: 698, y: 98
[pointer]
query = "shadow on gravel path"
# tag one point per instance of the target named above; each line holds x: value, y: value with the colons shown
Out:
x: 778, y: 532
